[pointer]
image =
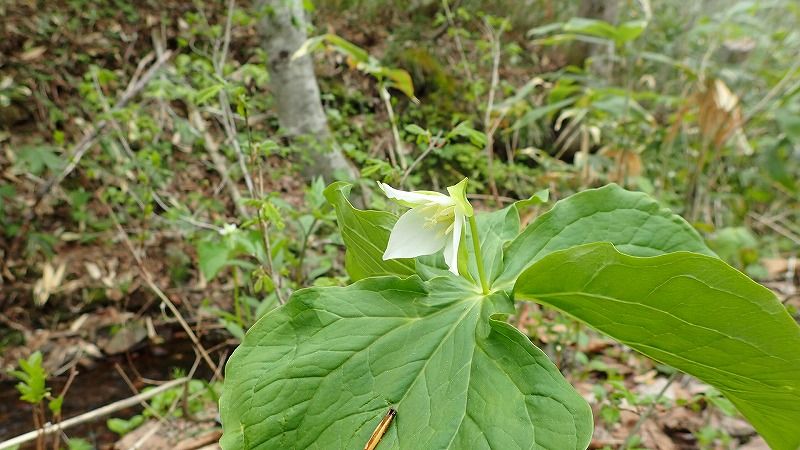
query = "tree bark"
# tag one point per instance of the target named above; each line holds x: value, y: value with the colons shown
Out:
x: 294, y: 85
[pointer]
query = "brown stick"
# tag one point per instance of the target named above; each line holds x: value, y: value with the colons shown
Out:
x: 776, y: 227
x: 86, y: 142
x: 91, y: 415
x: 489, y: 106
x: 148, y: 278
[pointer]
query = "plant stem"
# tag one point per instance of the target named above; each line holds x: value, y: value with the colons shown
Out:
x: 476, y: 245
x: 298, y: 270
x: 236, y: 302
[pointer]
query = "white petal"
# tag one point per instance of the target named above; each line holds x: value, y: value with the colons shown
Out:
x: 416, y: 197
x: 411, y: 238
x: 451, y: 247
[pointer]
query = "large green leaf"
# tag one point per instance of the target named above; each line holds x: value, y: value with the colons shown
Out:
x: 495, y: 230
x: 365, y: 234
x: 321, y: 371
x: 632, y: 221
x: 625, y: 32
x: 692, y: 312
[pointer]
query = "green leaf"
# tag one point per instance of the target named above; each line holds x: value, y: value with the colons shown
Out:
x: 536, y: 199
x: 321, y: 371
x: 361, y: 60
x: 55, y: 404
x: 495, y: 230
x: 632, y: 221
x: 458, y: 193
x: 212, y: 256
x: 123, y: 426
x: 347, y: 48
x: 630, y: 30
x: 735, y: 245
x: 537, y: 113
x: 591, y: 27
x: 79, y: 444
x: 38, y: 159
x: 625, y: 32
x: 690, y: 311
x: 365, y: 234
x: 208, y: 93
x: 415, y: 129
x: 545, y: 29
x: 464, y: 129
x: 789, y: 123
x: 32, y: 378
x: 310, y: 45
x: 398, y: 79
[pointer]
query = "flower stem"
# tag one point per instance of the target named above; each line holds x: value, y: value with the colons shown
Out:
x: 476, y: 245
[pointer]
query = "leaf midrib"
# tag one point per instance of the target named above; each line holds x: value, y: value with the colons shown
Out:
x: 457, y: 323
x: 425, y: 364
x: 633, y: 343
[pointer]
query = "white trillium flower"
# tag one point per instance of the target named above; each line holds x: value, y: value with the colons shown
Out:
x: 228, y: 228
x: 434, y: 222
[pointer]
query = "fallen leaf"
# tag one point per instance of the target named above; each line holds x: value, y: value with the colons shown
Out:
x: 123, y: 340
x: 32, y: 53
x: 49, y: 283
x: 757, y: 443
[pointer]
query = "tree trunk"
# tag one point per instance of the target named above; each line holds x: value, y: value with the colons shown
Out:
x: 605, y: 10
x: 294, y: 85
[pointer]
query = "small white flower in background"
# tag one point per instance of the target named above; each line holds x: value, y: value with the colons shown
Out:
x: 434, y: 222
x: 228, y: 228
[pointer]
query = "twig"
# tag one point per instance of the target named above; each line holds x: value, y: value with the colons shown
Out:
x: 396, y: 154
x: 226, y: 40
x: 461, y: 53
x: 228, y: 123
x: 219, y: 163
x: 435, y: 143
x: 230, y: 131
x: 635, y: 430
x: 91, y: 415
x: 298, y: 275
x: 57, y: 413
x: 150, y: 283
x: 84, y: 145
x: 150, y: 433
x: 86, y: 142
x: 135, y: 391
x: 772, y: 93
x: 776, y: 227
x: 72, y: 374
x: 489, y: 106
x: 124, y: 143
x: 276, y: 279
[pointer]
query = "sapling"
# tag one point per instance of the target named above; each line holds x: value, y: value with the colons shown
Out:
x: 422, y: 329
x: 32, y: 387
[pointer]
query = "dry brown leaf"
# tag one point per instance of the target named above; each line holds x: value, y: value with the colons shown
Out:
x: 32, y: 53
x: 202, y: 441
x: 653, y: 437
x: 776, y: 267
x: 756, y: 443
x: 49, y: 282
x: 93, y: 270
x: 148, y: 436
x: 736, y: 427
